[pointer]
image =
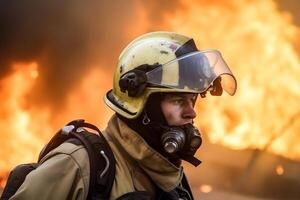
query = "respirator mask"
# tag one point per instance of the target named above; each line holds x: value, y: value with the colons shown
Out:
x: 182, y: 141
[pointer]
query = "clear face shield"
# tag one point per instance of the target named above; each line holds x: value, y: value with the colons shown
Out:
x: 195, y: 72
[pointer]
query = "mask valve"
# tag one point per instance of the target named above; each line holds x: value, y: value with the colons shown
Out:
x: 183, y: 141
x: 173, y: 140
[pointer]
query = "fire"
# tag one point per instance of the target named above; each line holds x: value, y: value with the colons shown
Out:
x: 20, y: 142
x: 34, y: 74
x: 279, y: 169
x: 90, y: 91
x: 25, y: 129
x: 205, y: 188
x: 257, y: 41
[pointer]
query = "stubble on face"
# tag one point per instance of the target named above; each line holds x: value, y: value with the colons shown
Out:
x: 178, y: 108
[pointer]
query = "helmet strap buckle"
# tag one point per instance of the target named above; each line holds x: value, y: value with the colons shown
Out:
x: 146, y: 120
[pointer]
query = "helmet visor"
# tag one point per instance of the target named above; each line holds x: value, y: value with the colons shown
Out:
x: 194, y: 72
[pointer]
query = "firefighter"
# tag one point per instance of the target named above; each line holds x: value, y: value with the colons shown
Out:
x: 158, y: 79
x: 156, y: 84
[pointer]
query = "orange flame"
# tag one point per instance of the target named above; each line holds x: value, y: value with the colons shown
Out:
x: 205, y: 188
x: 90, y: 91
x: 279, y: 169
x: 20, y: 141
x: 26, y: 129
x: 257, y: 42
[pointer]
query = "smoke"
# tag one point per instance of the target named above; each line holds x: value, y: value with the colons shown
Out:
x: 292, y: 7
x: 66, y: 38
x: 60, y: 36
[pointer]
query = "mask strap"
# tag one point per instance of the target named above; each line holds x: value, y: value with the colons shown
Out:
x: 191, y: 159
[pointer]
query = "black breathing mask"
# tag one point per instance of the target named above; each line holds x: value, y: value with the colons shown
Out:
x: 182, y: 141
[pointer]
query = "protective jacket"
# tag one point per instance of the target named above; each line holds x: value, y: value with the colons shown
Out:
x: 64, y: 172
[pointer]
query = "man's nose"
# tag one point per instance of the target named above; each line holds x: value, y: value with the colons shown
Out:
x: 189, y: 111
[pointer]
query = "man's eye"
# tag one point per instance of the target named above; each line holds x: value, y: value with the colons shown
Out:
x: 178, y: 101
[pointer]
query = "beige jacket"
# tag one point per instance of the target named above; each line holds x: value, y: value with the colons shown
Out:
x: 64, y: 172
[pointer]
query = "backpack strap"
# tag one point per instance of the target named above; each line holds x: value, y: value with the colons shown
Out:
x: 102, y: 164
x: 186, y: 185
x: 101, y: 158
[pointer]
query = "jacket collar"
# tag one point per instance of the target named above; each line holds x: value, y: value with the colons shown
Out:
x: 162, y: 172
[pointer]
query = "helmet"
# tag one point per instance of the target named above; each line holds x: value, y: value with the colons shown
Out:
x: 165, y: 62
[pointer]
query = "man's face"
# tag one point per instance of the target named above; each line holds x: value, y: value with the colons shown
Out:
x: 178, y: 108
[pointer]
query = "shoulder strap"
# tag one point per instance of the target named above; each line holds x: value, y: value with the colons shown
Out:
x: 102, y: 164
x: 186, y: 185
x: 101, y: 158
